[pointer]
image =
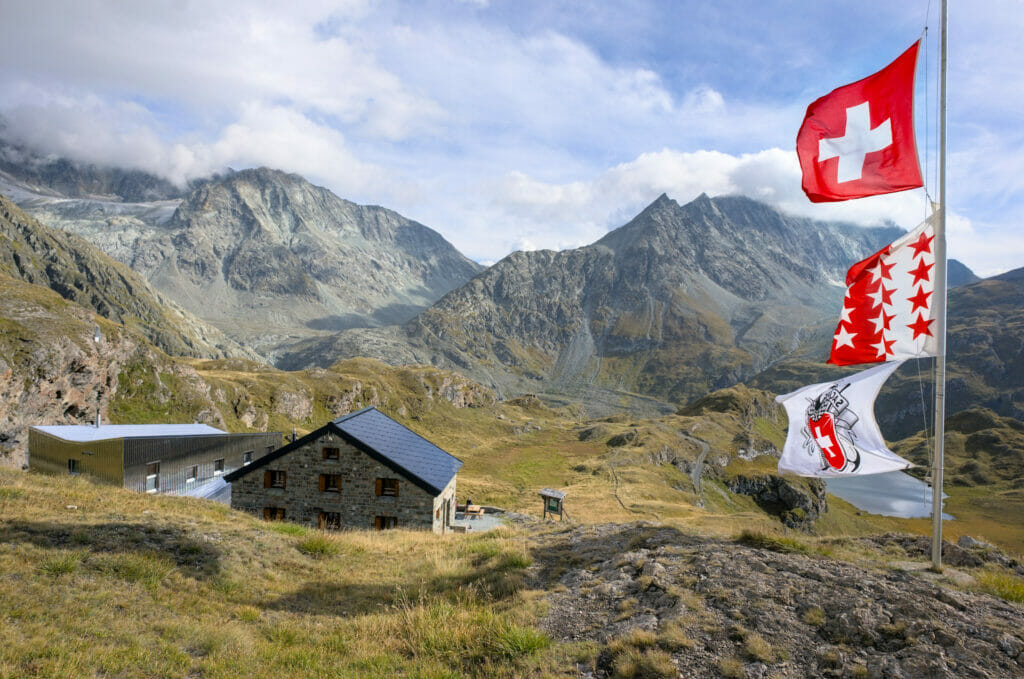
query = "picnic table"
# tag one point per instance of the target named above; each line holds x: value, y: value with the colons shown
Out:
x: 474, y: 511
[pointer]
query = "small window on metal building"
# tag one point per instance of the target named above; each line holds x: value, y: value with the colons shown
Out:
x: 193, y: 474
x: 273, y: 514
x: 330, y: 483
x: 247, y: 457
x: 332, y: 453
x: 72, y: 466
x: 152, y: 477
x: 387, y: 487
x: 218, y: 466
x: 385, y: 522
x: 274, y: 478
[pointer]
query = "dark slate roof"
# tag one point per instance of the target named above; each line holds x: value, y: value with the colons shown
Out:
x: 403, y: 447
x: 386, y: 441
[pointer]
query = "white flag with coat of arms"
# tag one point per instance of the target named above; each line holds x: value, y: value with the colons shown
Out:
x: 832, y: 428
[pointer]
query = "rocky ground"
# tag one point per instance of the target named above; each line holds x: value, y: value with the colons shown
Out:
x: 663, y: 604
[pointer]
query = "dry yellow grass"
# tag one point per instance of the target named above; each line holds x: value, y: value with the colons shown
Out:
x: 97, y: 581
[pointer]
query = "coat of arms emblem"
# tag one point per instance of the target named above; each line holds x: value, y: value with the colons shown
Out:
x: 828, y: 430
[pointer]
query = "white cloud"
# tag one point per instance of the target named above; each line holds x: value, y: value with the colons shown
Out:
x: 502, y: 126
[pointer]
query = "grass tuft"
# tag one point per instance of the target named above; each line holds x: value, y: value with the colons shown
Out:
x: 61, y: 564
x: 772, y: 542
x: 318, y: 546
x: 1002, y: 585
x: 146, y: 568
x: 288, y: 528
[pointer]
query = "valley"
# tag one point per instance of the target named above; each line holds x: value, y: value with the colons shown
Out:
x: 636, y: 374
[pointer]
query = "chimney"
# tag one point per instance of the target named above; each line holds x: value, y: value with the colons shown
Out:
x: 98, y: 419
x: 294, y: 435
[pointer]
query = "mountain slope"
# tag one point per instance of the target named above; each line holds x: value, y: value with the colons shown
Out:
x: 76, y: 270
x: 266, y: 256
x: 681, y: 300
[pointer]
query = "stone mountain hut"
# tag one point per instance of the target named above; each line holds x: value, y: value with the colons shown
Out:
x: 363, y: 470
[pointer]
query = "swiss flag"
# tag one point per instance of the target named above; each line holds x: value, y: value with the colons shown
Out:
x: 887, y: 312
x: 858, y: 140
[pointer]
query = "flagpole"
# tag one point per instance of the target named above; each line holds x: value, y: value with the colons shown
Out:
x: 940, y: 312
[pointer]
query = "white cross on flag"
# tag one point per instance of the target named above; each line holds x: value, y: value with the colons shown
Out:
x: 832, y: 428
x: 887, y: 312
x: 858, y: 140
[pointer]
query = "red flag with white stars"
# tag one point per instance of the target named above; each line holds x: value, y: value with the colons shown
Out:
x: 858, y: 140
x: 887, y: 313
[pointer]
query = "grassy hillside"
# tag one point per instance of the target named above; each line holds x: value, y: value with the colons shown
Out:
x: 137, y: 586
x: 98, y: 581
x: 81, y: 273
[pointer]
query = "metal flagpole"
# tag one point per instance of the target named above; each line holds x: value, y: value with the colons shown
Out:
x: 939, y: 301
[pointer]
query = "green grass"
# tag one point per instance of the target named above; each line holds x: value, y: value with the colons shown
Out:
x: 318, y: 546
x: 1002, y: 585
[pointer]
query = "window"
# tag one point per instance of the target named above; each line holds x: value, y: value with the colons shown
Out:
x: 387, y: 487
x: 218, y: 467
x: 152, y: 477
x: 332, y: 453
x: 273, y: 514
x: 385, y: 522
x: 72, y: 466
x: 247, y: 457
x: 329, y: 520
x: 274, y: 478
x: 330, y: 483
x: 193, y: 474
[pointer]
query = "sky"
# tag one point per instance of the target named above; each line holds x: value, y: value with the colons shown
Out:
x: 519, y: 124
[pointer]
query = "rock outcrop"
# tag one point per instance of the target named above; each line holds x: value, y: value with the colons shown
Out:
x: 664, y: 603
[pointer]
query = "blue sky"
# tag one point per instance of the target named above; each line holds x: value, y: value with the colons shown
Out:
x: 511, y: 125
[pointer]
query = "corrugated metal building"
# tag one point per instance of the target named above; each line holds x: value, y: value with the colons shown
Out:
x: 154, y: 458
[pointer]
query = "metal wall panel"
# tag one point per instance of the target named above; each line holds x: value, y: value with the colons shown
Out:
x: 179, y: 454
x: 102, y: 459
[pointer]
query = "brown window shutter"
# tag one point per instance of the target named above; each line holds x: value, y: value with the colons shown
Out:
x: 321, y: 521
x: 380, y: 486
x: 266, y: 479
x: 396, y: 487
x: 323, y: 482
x: 284, y: 479
x: 266, y: 514
x: 377, y: 521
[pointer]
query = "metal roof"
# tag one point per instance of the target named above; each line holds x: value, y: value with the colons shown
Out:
x: 401, y: 446
x: 85, y: 433
x: 384, y: 440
